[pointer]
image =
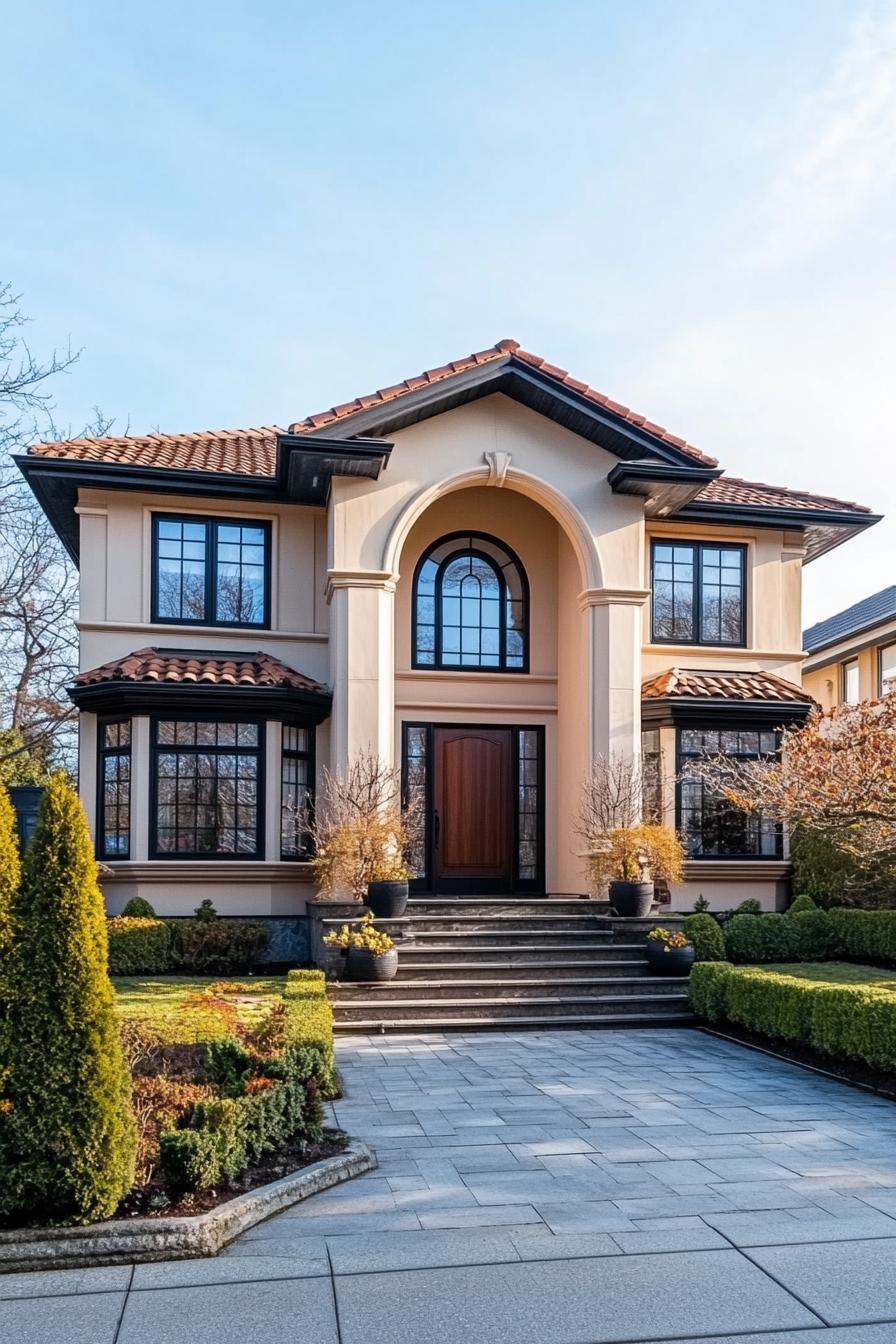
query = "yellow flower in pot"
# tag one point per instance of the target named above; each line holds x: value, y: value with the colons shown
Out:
x: 371, y: 953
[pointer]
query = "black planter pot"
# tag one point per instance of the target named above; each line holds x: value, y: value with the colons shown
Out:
x: 388, y: 900
x: 364, y: 967
x: 631, y: 900
x: 674, y: 961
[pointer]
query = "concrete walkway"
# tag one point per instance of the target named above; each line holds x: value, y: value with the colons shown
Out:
x: 593, y: 1187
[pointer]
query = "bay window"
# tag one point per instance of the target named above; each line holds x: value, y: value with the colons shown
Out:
x: 206, y: 788
x: 114, y: 820
x: 710, y: 826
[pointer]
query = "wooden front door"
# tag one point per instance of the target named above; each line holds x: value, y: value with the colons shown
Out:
x: 473, y: 824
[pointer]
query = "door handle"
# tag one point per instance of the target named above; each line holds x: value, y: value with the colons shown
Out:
x: 437, y: 827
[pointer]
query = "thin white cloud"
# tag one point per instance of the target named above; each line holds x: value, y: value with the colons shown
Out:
x: 838, y: 159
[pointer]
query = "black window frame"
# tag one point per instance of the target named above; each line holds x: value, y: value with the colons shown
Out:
x: 880, y: 667
x: 310, y: 756
x: 103, y: 752
x: 155, y: 750
x: 211, y: 522
x: 438, y: 665
x: 698, y: 547
x: 681, y: 757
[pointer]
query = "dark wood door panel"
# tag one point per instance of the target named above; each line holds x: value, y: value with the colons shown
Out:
x: 472, y: 798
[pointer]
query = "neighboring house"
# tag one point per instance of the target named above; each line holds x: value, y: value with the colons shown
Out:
x: 488, y: 574
x: 852, y: 656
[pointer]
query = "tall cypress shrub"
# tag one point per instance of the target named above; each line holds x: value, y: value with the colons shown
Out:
x: 67, y: 1135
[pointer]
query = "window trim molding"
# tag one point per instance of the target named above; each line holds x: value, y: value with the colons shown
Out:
x: 165, y: 856
x: 699, y: 544
x: 211, y: 522
x: 459, y: 668
x: 101, y: 753
x: 778, y: 856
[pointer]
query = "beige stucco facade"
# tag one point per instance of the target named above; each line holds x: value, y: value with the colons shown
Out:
x: 341, y: 612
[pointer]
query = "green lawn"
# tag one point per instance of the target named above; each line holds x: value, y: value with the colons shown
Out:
x: 834, y: 973
x: 173, y: 1006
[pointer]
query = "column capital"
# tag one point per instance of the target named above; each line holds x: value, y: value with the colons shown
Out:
x: 382, y: 579
x: 613, y: 597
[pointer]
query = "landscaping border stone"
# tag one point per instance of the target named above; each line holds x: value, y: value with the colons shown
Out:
x: 137, y: 1240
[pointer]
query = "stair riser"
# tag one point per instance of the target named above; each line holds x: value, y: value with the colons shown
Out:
x: 500, y: 937
x: 344, y: 995
x: 642, y: 1022
x: 433, y: 1010
x: 466, y: 956
x: 536, y: 925
x: 486, y: 909
x: 459, y: 972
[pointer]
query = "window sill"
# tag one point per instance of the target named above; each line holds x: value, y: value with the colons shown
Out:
x: 737, y: 870
x: 201, y: 870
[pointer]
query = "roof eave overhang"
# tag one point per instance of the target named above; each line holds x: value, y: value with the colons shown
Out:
x: 287, y: 703
x: 823, y: 529
x: 719, y: 712
x: 303, y: 476
x: 665, y: 487
x: 521, y: 383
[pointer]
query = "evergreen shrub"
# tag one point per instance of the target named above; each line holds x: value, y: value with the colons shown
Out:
x: 704, y: 932
x: 138, y: 945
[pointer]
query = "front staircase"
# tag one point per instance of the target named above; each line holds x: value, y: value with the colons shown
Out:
x: 504, y: 964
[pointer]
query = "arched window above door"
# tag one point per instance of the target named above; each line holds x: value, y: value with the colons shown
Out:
x: 471, y: 606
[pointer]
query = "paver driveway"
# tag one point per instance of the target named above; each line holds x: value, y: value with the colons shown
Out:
x: 559, y: 1186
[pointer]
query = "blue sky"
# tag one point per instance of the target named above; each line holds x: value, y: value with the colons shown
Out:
x: 245, y: 213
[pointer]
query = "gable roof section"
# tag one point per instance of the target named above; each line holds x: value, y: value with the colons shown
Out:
x: 861, y: 616
x: 505, y: 354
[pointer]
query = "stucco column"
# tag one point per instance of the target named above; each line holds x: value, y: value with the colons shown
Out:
x: 362, y: 651
x: 613, y: 660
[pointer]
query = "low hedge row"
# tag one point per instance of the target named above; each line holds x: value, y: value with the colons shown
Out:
x: 149, y: 946
x: 856, y: 1022
x: 309, y: 1025
x: 228, y: 1134
x: 809, y: 934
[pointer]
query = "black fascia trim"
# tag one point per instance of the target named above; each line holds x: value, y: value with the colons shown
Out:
x: 770, y: 516
x: 371, y: 453
x: 661, y: 473
x: 283, y: 703
x: 512, y: 377
x: 770, y: 714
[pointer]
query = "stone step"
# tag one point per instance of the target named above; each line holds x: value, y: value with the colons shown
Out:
x: 505, y: 905
x: 486, y: 937
x: 539, y: 968
x: 535, y: 924
x: 464, y: 954
x: 347, y: 993
x: 373, y: 1007
x: 528, y: 1022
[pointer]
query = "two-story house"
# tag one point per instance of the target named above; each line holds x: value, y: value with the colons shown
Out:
x: 488, y: 574
x: 851, y: 656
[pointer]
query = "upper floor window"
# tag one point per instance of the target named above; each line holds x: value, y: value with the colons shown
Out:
x: 888, y: 669
x: 850, y: 675
x: 210, y: 571
x: 698, y: 593
x: 471, y: 606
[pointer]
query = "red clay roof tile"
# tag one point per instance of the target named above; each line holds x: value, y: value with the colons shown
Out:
x: 185, y: 668
x: 682, y: 684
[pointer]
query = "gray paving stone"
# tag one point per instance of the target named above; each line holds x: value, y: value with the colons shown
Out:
x: 54, y: 1282
x: 297, y: 1312
x: 233, y: 1269
x: 566, y: 1301
x: 420, y: 1250
x: 88, y: 1318
x: 599, y: 1215
x: 846, y: 1284
x: 493, y: 1216
x: 642, y: 1242
x: 747, y: 1230
x: 850, y: 1334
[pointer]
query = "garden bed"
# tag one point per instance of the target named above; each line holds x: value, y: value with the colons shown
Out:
x: 847, y: 1071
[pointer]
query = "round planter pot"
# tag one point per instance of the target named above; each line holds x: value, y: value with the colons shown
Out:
x: 388, y: 900
x: 675, y: 961
x: 631, y: 900
x: 363, y: 966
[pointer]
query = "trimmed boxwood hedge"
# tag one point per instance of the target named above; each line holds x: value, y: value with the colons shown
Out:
x: 309, y: 1025
x: 706, y: 935
x: 845, y: 1021
x: 867, y: 935
x: 138, y: 946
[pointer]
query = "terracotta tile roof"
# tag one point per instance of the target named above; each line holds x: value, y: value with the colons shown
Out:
x: 681, y: 684
x: 500, y: 351
x: 242, y: 452
x: 182, y: 667
x: 732, y: 490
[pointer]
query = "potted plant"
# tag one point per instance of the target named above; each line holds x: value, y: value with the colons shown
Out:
x: 625, y: 853
x: 370, y: 953
x: 362, y: 833
x: 669, y: 953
